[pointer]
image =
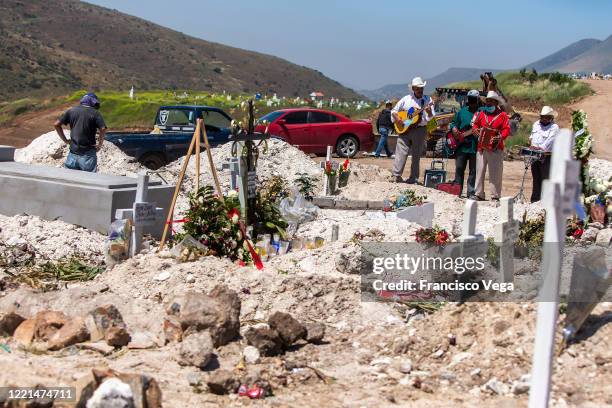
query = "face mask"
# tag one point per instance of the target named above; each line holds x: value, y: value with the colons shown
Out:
x: 489, y: 109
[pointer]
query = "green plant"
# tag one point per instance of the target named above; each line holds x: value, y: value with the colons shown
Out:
x: 492, y: 252
x: 531, y: 234
x: 407, y: 198
x: 306, y: 185
x: 268, y: 217
x: 274, y: 189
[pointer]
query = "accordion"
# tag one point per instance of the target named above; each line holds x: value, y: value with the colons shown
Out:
x: 485, y: 139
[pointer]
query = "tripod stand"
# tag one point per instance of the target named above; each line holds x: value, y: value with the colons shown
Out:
x: 528, y: 160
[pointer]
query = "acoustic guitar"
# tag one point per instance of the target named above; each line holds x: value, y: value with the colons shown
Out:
x: 407, y: 119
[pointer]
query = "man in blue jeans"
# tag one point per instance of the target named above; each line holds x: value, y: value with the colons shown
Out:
x: 84, y: 121
x: 384, y: 126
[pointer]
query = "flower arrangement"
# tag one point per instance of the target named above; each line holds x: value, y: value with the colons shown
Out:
x: 435, y: 236
x: 407, y: 198
x: 344, y: 171
x: 329, y: 171
x: 215, y: 223
x: 598, y: 199
x: 574, y: 229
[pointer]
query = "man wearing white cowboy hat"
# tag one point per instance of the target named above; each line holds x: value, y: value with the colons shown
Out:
x: 415, y: 138
x: 543, y: 134
x: 492, y: 126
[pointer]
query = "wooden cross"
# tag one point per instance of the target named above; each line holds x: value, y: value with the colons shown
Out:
x: 506, y: 234
x: 142, y: 214
x: 558, y: 198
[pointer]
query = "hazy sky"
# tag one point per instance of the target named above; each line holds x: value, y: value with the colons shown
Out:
x: 367, y: 44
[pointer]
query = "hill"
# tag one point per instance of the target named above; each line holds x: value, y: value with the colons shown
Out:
x: 50, y: 47
x: 553, y: 61
x: 446, y: 77
x: 597, y: 59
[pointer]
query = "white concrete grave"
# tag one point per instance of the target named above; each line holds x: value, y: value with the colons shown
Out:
x: 558, y: 198
x: 419, y: 214
x: 505, y: 235
x: 143, y: 214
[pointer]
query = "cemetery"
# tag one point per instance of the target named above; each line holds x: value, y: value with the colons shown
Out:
x: 235, y: 273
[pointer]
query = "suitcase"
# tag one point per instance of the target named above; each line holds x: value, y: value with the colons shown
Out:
x: 450, y: 188
x: 435, y: 175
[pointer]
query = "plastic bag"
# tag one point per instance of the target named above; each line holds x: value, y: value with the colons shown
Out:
x: 296, y: 209
x: 189, y: 249
x: 117, y: 245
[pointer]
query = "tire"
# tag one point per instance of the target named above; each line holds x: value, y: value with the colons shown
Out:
x: 153, y: 161
x: 347, y: 146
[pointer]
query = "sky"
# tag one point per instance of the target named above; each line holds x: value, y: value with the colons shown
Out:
x: 368, y: 44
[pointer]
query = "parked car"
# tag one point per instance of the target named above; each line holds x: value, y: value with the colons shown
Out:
x: 312, y: 130
x: 176, y: 124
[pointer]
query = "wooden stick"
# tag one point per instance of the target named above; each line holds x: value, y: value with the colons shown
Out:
x: 197, y: 170
x: 210, y: 160
x: 196, y: 134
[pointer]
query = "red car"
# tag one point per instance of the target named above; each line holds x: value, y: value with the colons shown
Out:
x: 312, y: 130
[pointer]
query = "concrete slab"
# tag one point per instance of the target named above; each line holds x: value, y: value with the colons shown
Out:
x: 77, y: 197
x: 419, y: 214
x: 7, y: 153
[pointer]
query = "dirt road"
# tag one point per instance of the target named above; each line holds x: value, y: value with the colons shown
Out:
x: 27, y: 127
x: 598, y: 108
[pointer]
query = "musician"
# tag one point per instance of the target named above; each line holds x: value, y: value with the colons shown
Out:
x: 492, y: 126
x: 414, y: 139
x: 543, y: 134
x: 466, y: 144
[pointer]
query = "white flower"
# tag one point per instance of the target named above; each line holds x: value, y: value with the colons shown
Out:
x: 201, y: 200
x: 239, y: 235
x: 233, y: 244
x: 235, y: 219
x: 232, y: 193
x: 599, y: 188
x: 590, y: 199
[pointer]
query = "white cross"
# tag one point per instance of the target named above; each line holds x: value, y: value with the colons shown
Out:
x: 142, y: 213
x: 558, y: 198
x: 472, y: 245
x: 506, y: 234
x: 328, y: 158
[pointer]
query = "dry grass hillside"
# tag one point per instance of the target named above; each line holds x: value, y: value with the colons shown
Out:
x: 54, y: 46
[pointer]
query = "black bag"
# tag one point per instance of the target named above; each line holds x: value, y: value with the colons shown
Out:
x: 435, y: 175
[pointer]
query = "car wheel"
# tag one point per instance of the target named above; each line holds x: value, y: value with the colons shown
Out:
x: 153, y: 161
x: 347, y: 146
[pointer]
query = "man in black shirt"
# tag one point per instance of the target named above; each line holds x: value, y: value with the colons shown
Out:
x: 84, y: 120
x: 384, y: 126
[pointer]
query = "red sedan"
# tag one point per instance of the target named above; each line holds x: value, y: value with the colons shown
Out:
x: 312, y: 130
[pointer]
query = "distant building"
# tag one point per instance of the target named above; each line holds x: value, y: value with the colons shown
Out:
x: 315, y: 95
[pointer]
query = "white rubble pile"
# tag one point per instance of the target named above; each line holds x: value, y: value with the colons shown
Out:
x: 49, y: 150
x: 600, y: 168
x: 52, y: 239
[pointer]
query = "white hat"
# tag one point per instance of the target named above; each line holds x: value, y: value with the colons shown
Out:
x: 548, y: 111
x: 418, y: 82
x: 474, y: 93
x: 495, y: 95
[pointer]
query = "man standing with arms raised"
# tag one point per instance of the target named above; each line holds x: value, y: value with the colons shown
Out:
x: 414, y: 139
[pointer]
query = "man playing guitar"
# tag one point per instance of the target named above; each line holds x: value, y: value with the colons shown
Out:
x: 414, y: 138
x: 461, y: 129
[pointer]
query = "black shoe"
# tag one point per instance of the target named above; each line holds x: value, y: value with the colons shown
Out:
x: 411, y: 181
x: 477, y: 198
x: 398, y: 179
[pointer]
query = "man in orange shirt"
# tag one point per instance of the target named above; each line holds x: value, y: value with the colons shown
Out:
x: 492, y: 126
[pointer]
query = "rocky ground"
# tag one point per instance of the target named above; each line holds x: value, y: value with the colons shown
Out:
x: 371, y: 354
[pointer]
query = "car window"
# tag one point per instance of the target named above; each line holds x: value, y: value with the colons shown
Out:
x: 271, y: 117
x: 215, y: 119
x: 175, y: 117
x: 295, y: 118
x: 322, y: 117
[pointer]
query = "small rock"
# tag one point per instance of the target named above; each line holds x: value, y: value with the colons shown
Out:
x: 251, y: 355
x: 496, y: 386
x: 190, y: 278
x: 142, y: 341
x: 438, y: 354
x: 448, y: 376
x: 162, y: 276
x: 459, y: 357
x: 103, y: 318
x: 40, y: 328
x: 405, y: 367
x: 604, y: 237
x: 112, y: 393
x: 117, y: 336
x: 9, y: 322
x: 597, y: 225
x: 289, y: 329
x: 222, y: 382
x: 194, y: 379
x: 590, y: 234
x: 196, y: 350
x: 99, y: 346
x: 475, y: 372
x: 315, y: 332
x: 71, y: 333
x: 265, y: 339
x: 172, y: 330
x: 381, y: 361
x: 520, y: 387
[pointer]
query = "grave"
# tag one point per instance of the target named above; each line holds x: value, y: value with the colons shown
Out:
x: 77, y: 197
x: 506, y: 234
x: 419, y: 214
x: 7, y: 153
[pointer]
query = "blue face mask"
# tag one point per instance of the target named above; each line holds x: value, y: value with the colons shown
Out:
x: 489, y: 109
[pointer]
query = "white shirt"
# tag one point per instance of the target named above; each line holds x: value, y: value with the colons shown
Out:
x: 410, y: 101
x: 543, y: 136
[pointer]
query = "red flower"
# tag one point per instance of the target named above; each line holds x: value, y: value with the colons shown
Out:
x: 234, y: 215
x: 577, y: 233
x: 345, y: 164
x: 328, y: 168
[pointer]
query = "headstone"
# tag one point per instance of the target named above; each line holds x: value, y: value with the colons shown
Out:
x: 419, y: 214
x: 472, y: 245
x: 328, y: 157
x: 7, y: 153
x: 564, y: 176
x: 506, y: 234
x: 142, y: 213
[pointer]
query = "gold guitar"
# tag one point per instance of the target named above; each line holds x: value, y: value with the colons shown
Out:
x: 407, y: 119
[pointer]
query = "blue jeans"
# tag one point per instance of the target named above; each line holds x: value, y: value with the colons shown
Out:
x: 384, y: 134
x: 87, y: 161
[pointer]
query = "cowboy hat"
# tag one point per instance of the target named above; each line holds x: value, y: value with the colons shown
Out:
x: 418, y: 82
x: 548, y: 111
x: 495, y: 95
